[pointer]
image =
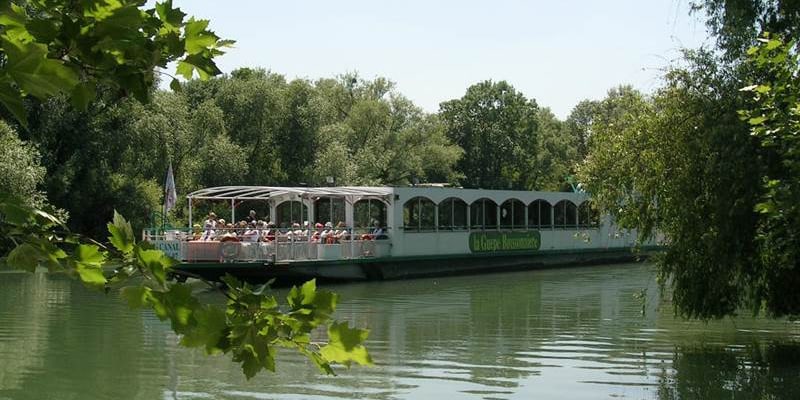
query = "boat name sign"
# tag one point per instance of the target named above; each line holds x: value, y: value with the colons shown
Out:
x: 489, y: 242
x: 170, y: 247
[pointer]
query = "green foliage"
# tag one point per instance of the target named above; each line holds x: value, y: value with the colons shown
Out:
x: 20, y: 168
x: 251, y: 327
x: 774, y: 120
x: 556, y: 154
x: 496, y: 126
x: 736, y: 24
x: 720, y: 186
x: 54, y: 47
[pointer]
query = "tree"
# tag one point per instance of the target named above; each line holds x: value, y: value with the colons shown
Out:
x: 55, y: 46
x: 579, y: 125
x: 556, y: 154
x: 685, y: 165
x: 20, y: 169
x: 497, y: 128
x: 378, y: 137
x: 736, y: 24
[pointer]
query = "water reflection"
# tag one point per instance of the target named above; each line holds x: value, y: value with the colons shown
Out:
x: 575, y: 333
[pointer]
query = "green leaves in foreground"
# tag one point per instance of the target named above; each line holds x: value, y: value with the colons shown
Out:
x: 53, y: 47
x: 251, y: 326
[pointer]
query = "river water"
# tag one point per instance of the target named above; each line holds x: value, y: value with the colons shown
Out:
x: 576, y: 333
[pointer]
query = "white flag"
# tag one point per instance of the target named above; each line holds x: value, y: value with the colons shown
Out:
x: 170, y: 197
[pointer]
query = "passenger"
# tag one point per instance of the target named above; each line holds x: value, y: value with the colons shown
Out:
x: 197, y: 232
x: 250, y: 234
x: 221, y: 227
x: 269, y: 234
x: 229, y: 234
x: 377, y: 231
x: 296, y: 232
x: 341, y: 232
x: 327, y: 232
x: 315, y: 236
x: 209, y: 227
x: 252, y: 217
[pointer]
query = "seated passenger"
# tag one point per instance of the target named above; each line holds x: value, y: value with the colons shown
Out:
x: 316, y: 232
x: 197, y: 232
x: 341, y: 232
x: 250, y: 234
x: 326, y: 233
x: 377, y: 232
x: 296, y: 233
x: 269, y: 234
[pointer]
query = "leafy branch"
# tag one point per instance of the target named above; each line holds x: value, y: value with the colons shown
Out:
x: 250, y: 327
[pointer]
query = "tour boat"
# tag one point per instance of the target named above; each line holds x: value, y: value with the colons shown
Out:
x: 392, y: 233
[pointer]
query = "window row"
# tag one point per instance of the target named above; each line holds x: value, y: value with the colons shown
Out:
x: 365, y: 212
x: 420, y: 214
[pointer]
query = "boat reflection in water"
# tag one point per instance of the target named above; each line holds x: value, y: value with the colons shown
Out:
x: 575, y: 333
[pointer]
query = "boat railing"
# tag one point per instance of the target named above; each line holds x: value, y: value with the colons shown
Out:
x: 241, y: 245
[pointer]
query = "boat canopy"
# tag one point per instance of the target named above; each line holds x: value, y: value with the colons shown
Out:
x: 286, y: 193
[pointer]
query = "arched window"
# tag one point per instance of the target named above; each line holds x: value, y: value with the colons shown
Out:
x: 453, y: 214
x: 540, y: 214
x: 512, y: 214
x: 566, y: 214
x: 290, y: 212
x: 419, y: 214
x: 366, y: 211
x: 328, y: 209
x: 588, y: 215
x: 483, y: 214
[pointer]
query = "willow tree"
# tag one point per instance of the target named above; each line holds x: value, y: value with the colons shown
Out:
x: 719, y: 184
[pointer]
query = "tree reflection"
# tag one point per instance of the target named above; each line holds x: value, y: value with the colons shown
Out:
x: 754, y: 371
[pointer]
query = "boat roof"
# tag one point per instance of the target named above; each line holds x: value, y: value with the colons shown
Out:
x: 272, y: 192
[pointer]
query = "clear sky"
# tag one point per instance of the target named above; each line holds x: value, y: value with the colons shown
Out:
x: 557, y: 52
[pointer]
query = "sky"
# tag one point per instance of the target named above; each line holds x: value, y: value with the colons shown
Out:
x: 558, y: 52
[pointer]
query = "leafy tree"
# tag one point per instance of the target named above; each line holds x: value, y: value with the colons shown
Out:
x: 55, y: 46
x: 556, y: 154
x: 685, y: 164
x: 774, y: 119
x: 497, y: 128
x: 738, y: 23
x: 579, y: 125
x: 378, y: 136
x: 20, y: 168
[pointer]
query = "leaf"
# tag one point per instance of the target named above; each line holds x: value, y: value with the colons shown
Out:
x: 175, y: 85
x: 179, y: 305
x: 198, y: 38
x: 121, y: 234
x: 210, y: 329
x: 346, y: 345
x: 12, y: 100
x: 172, y: 17
x: 82, y: 95
x: 36, y: 74
x: 89, y: 263
x: 757, y: 120
x: 155, y: 262
x: 25, y: 257
x: 136, y: 296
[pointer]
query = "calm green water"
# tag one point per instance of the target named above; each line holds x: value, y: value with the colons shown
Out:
x: 574, y: 333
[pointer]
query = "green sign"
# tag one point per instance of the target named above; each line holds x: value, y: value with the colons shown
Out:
x: 489, y: 242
